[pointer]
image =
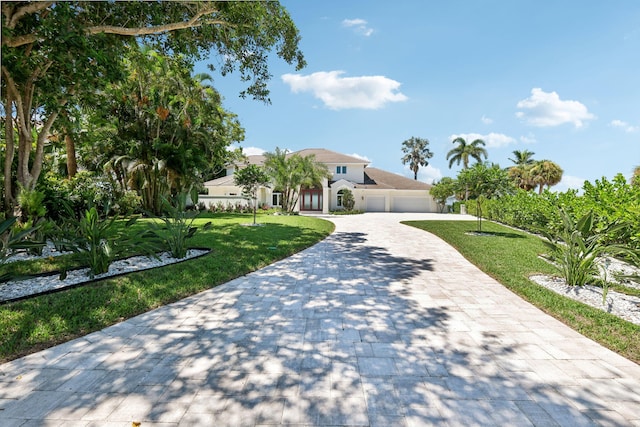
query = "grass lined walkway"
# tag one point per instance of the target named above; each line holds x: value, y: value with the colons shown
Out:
x: 511, y: 256
x: 41, y: 322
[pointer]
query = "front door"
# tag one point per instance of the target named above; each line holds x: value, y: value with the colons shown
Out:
x: 311, y: 199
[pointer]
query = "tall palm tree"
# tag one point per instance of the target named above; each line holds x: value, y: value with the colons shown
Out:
x: 524, y: 157
x: 545, y: 172
x: 416, y: 152
x: 463, y: 151
x: 520, y: 172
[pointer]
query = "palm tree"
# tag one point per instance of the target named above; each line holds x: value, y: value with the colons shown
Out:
x: 635, y: 179
x: 521, y: 158
x: 463, y: 151
x: 416, y: 154
x: 520, y: 172
x: 545, y: 172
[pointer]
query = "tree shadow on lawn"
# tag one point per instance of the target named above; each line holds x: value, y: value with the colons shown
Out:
x: 343, y: 333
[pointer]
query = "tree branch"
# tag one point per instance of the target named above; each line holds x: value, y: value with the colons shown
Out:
x: 27, y: 9
x: 126, y: 31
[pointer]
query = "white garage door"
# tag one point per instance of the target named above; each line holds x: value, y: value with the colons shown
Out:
x: 375, y: 204
x: 410, y: 204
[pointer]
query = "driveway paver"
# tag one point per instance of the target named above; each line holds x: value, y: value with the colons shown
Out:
x: 378, y: 325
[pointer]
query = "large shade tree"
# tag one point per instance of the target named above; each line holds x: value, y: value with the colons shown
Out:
x: 416, y: 154
x: 59, y: 53
x: 170, y: 128
x: 292, y: 172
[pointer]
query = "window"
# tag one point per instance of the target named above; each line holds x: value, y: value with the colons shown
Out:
x: 276, y: 199
x: 340, y: 193
x: 341, y: 170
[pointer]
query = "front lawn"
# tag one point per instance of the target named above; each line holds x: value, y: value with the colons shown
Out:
x: 236, y: 249
x: 511, y: 257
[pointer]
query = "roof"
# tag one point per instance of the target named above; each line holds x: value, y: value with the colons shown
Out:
x: 378, y: 178
x: 328, y: 156
x: 224, y: 181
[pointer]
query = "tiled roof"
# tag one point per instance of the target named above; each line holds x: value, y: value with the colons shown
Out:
x: 378, y: 178
x: 224, y: 181
x: 328, y: 156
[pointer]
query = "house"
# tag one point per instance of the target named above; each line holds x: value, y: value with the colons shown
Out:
x: 374, y: 190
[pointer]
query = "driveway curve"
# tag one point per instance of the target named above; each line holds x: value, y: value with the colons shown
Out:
x: 378, y: 325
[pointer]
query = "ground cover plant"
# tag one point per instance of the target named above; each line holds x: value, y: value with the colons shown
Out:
x: 511, y: 256
x: 40, y: 322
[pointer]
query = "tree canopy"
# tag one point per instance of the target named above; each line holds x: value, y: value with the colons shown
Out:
x: 464, y: 151
x: 55, y: 54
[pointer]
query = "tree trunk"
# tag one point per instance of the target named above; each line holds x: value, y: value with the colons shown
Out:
x: 72, y: 165
x: 9, y: 155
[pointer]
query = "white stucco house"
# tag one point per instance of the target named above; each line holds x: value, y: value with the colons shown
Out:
x: 374, y: 190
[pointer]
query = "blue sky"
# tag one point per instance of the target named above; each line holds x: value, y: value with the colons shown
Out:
x: 561, y: 79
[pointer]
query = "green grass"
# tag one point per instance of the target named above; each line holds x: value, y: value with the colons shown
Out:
x: 511, y: 257
x: 236, y: 249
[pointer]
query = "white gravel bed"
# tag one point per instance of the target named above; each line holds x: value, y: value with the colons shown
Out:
x: 34, y: 285
x: 624, y: 306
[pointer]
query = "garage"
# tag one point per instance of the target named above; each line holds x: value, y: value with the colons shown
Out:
x: 375, y: 204
x: 410, y: 204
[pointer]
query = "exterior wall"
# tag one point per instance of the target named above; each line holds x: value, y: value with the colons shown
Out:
x: 355, y: 172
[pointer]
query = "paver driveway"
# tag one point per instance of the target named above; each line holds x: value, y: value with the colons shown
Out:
x: 380, y: 324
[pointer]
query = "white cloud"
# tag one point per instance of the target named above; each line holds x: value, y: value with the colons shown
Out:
x: 358, y: 156
x: 568, y: 182
x: 486, y: 120
x: 338, y: 93
x: 359, y: 26
x: 252, y: 151
x: 546, y: 109
x: 623, y: 125
x: 427, y: 174
x: 528, y: 139
x: 492, y: 140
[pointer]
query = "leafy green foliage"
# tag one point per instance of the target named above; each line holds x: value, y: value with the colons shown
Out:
x: 251, y: 178
x: 291, y: 172
x: 12, y: 241
x: 578, y: 245
x: 482, y: 182
x: 178, y: 226
x: 347, y: 199
x: 443, y: 190
x: 611, y: 202
x: 98, y: 241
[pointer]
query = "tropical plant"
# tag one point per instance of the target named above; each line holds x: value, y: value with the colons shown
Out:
x: 416, y: 154
x: 464, y: 151
x: 443, y: 190
x: 524, y: 157
x: 13, y: 240
x: 99, y: 241
x: 545, y: 173
x: 291, y: 172
x: 177, y: 226
x: 482, y: 182
x: 577, y: 246
x: 251, y: 178
x: 635, y: 179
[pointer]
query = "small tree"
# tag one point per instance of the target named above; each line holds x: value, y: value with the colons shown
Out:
x: 348, y: 202
x: 485, y: 181
x: 416, y: 153
x: 251, y: 178
x: 442, y: 190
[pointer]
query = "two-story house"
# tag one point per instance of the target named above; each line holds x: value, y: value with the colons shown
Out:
x: 374, y: 190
